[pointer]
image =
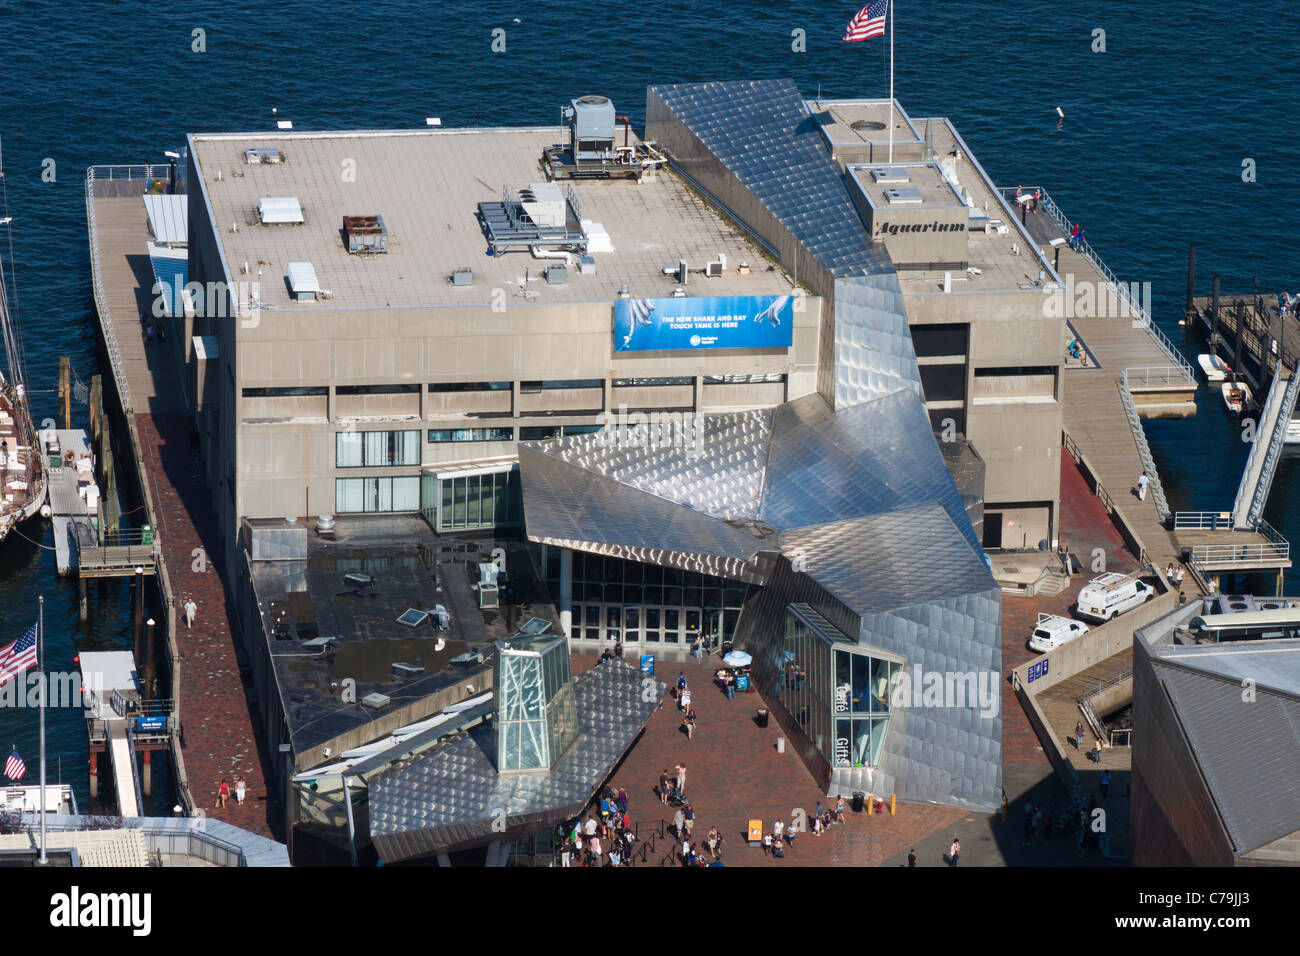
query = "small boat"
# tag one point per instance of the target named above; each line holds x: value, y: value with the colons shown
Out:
x: 1292, y: 432
x: 1215, y: 368
x: 1236, y: 395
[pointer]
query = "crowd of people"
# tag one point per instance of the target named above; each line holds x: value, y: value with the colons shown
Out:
x: 604, y: 838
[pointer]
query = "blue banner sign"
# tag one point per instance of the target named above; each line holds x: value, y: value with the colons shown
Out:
x: 1038, y: 669
x: 720, y: 322
x: 647, y: 664
x: 154, y: 724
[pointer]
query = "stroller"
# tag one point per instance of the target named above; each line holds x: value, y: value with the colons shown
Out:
x: 676, y: 798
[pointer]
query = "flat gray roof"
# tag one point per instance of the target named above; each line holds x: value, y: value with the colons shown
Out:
x: 850, y: 122
x: 926, y: 178
x: 426, y: 184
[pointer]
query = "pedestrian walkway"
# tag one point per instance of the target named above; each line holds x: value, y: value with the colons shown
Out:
x: 217, y: 724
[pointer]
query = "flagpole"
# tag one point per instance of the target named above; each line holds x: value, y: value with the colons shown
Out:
x: 891, y: 81
x: 40, y: 663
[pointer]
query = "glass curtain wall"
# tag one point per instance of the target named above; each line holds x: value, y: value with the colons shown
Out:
x: 646, y: 604
x: 835, y: 690
x: 466, y: 502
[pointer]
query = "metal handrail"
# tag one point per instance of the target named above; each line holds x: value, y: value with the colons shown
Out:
x: 1210, y: 556
x: 1203, y: 521
x: 101, y: 297
x: 1085, y: 248
x: 1144, y: 449
x: 1147, y: 376
x: 1275, y: 442
x: 1125, y: 732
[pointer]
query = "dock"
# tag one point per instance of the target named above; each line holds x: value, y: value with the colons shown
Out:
x: 122, y: 724
x: 209, y: 704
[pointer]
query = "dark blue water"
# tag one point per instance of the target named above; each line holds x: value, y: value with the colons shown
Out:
x: 1149, y: 155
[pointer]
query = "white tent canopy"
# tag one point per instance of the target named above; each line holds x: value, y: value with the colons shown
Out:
x: 169, y: 218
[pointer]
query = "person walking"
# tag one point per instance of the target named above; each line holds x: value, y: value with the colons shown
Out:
x: 1103, y: 782
x: 778, y: 829
x: 1179, y: 574
x: 911, y: 858
x: 190, y: 610
x: 223, y: 793
x: 690, y: 724
x: 685, y: 700
x: 664, y: 778
x: 690, y: 819
x: 1143, y: 481
x: 679, y: 822
x: 954, y: 851
x: 1096, y: 751
x: 681, y: 779
x: 731, y: 686
x: 241, y: 789
x: 1078, y: 735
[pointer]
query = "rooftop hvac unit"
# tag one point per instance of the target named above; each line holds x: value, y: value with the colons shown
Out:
x: 278, y: 210
x: 544, y: 204
x: 376, y: 701
x: 586, y: 266
x: 557, y: 274
x: 462, y: 277
x: 257, y: 155
x: 890, y: 174
x: 903, y: 196
x: 592, y: 121
x: 302, y: 281
x: 365, y: 234
x: 716, y: 269
x: 407, y: 670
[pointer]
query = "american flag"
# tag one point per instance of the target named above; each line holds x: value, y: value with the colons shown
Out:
x: 870, y: 22
x: 18, y: 656
x: 14, y: 766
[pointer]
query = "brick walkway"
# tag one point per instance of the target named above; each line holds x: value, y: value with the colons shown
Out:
x: 733, y: 773
x: 218, y: 724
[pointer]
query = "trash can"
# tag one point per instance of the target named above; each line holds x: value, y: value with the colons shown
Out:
x: 146, y: 534
x: 762, y: 716
x: 859, y: 801
x: 727, y: 647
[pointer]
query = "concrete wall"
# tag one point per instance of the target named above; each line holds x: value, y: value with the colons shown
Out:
x: 1019, y: 440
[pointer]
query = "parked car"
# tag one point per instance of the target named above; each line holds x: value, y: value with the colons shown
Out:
x: 1052, y: 631
x: 1110, y: 594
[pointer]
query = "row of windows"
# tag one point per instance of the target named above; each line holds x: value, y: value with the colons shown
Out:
x: 367, y: 495
x: 528, y: 387
x: 376, y: 449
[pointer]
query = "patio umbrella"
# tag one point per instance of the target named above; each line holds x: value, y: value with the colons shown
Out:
x: 738, y: 659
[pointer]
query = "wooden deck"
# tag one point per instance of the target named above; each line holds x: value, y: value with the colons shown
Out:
x: 152, y: 372
x: 1093, y: 412
x: 1263, y: 325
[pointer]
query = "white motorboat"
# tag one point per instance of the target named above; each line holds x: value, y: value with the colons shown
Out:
x: 1236, y: 396
x: 1292, y: 432
x: 1215, y: 368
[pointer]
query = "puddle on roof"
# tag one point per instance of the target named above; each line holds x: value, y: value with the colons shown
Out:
x: 372, y: 661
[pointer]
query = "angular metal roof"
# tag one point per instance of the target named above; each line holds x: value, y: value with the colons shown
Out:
x: 454, y: 795
x: 762, y: 131
x: 1248, y: 751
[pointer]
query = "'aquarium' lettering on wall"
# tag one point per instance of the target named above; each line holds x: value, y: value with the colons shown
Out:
x: 720, y: 322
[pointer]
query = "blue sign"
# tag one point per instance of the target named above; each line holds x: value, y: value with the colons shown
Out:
x: 723, y: 322
x: 1038, y: 669
x: 647, y: 664
x: 155, y: 724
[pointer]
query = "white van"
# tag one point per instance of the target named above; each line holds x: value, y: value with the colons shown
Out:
x: 1110, y: 594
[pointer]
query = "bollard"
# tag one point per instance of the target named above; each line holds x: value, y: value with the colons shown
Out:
x: 893, y: 798
x: 780, y: 745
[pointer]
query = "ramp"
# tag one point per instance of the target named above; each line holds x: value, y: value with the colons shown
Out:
x: 1261, y: 466
x: 119, y: 748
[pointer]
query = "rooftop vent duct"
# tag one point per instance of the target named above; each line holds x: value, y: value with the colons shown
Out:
x: 376, y: 701
x: 365, y: 234
x: 890, y: 174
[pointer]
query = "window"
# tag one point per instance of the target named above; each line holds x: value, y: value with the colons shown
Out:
x: 943, y: 383
x: 649, y: 382
x: 941, y: 339
x: 290, y: 392
x: 759, y: 379
x: 467, y: 502
x: 366, y: 495
x: 539, y: 432
x: 376, y: 449
x: 470, y: 387
x: 376, y: 389
x: 471, y: 434
x: 547, y: 384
